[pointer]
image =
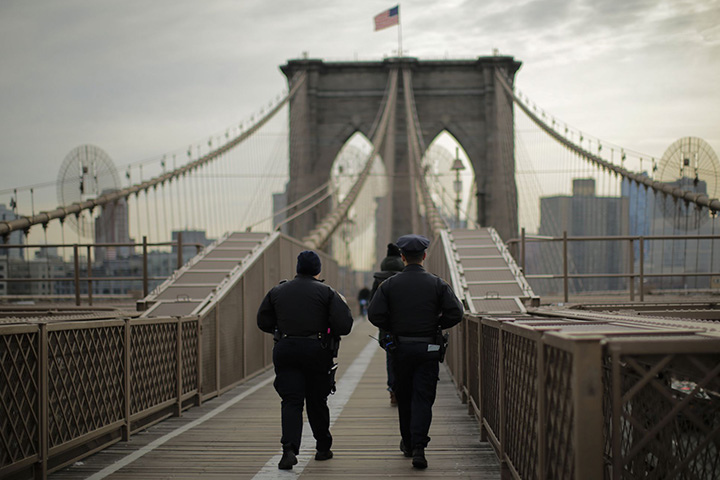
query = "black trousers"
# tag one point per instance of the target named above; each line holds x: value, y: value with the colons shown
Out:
x: 416, y: 377
x: 302, y: 377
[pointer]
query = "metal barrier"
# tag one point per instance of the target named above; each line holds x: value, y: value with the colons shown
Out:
x: 572, y: 399
x: 631, y: 392
x: 77, y: 280
x: 642, y: 276
x: 71, y: 388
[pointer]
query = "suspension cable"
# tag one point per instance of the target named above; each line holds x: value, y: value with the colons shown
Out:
x: 700, y: 199
x: 293, y: 205
x: 75, y: 208
x: 435, y: 222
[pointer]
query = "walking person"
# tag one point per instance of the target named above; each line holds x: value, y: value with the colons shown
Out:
x: 414, y: 306
x: 363, y: 300
x: 389, y: 266
x: 306, y: 318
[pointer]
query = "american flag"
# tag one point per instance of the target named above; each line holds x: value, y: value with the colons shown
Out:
x: 388, y: 18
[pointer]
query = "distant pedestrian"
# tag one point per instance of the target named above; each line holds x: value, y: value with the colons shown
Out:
x: 414, y: 306
x: 307, y: 318
x: 363, y: 300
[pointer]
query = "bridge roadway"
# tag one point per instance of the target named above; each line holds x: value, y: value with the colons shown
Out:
x: 237, y: 435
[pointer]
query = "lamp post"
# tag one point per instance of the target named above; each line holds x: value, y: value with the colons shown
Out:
x: 457, y: 166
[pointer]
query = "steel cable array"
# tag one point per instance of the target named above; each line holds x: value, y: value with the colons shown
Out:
x: 701, y: 200
x: 77, y: 208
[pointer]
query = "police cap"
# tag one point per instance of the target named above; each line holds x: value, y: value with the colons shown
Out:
x: 413, y: 243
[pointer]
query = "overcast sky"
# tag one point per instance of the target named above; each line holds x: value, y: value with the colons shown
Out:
x: 141, y: 78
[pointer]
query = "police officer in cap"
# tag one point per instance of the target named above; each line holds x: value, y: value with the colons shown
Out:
x: 414, y: 306
x: 307, y: 317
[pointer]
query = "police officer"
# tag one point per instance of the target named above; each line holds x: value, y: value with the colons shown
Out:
x: 307, y: 317
x: 390, y: 265
x: 413, y: 305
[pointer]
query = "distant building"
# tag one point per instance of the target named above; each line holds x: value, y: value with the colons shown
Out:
x: 3, y: 275
x: 670, y: 216
x: 640, y: 198
x: 39, y: 269
x: 13, y: 238
x: 580, y: 215
x: 190, y: 237
x: 111, y: 226
x: 120, y: 276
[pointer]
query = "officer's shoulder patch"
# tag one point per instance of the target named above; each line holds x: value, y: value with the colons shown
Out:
x: 284, y: 280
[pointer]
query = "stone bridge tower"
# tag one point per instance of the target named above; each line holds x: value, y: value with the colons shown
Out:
x: 460, y: 96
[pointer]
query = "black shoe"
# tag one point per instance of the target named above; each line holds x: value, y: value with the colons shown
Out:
x: 326, y: 455
x: 406, y: 451
x: 419, y: 460
x: 288, y: 459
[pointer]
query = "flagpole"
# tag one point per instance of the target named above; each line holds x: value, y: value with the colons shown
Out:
x: 399, y: 33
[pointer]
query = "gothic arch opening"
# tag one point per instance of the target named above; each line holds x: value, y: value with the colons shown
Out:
x: 451, y: 180
x: 354, y: 243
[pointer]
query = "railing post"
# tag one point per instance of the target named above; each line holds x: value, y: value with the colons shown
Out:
x: 217, y: 350
x: 467, y: 395
x: 199, y: 376
x: 541, y: 401
x: 126, y: 429
x: 565, y: 265
x: 76, y: 261
x: 522, y: 250
x: 587, y: 389
x: 480, y: 346
x: 145, y: 267
x: 44, y: 394
x: 89, y: 276
x: 642, y: 269
x: 179, y: 250
x: 631, y: 256
x: 178, y: 375
x: 501, y: 397
x: 616, y: 399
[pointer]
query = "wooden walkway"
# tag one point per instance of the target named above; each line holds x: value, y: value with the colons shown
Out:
x: 238, y: 434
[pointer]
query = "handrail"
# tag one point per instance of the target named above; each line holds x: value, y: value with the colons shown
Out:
x: 89, y: 279
x: 630, y: 275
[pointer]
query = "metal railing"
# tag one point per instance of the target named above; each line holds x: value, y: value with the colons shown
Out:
x: 71, y: 388
x: 584, y: 396
x: 77, y: 279
x: 570, y: 399
x: 75, y: 387
x: 630, y: 274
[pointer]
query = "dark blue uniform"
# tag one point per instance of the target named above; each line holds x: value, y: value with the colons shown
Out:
x: 300, y: 310
x: 412, y: 305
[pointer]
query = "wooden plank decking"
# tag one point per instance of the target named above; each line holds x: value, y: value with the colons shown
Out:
x: 238, y: 434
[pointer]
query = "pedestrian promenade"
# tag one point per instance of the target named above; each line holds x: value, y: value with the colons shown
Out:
x: 238, y: 434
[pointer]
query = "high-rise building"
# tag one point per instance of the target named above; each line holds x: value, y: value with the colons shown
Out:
x: 111, y: 226
x: 580, y: 215
x: 670, y: 216
x: 189, y: 237
x: 14, y: 238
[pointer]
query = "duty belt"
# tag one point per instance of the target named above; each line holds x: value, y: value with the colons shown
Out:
x: 314, y: 335
x: 402, y: 339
